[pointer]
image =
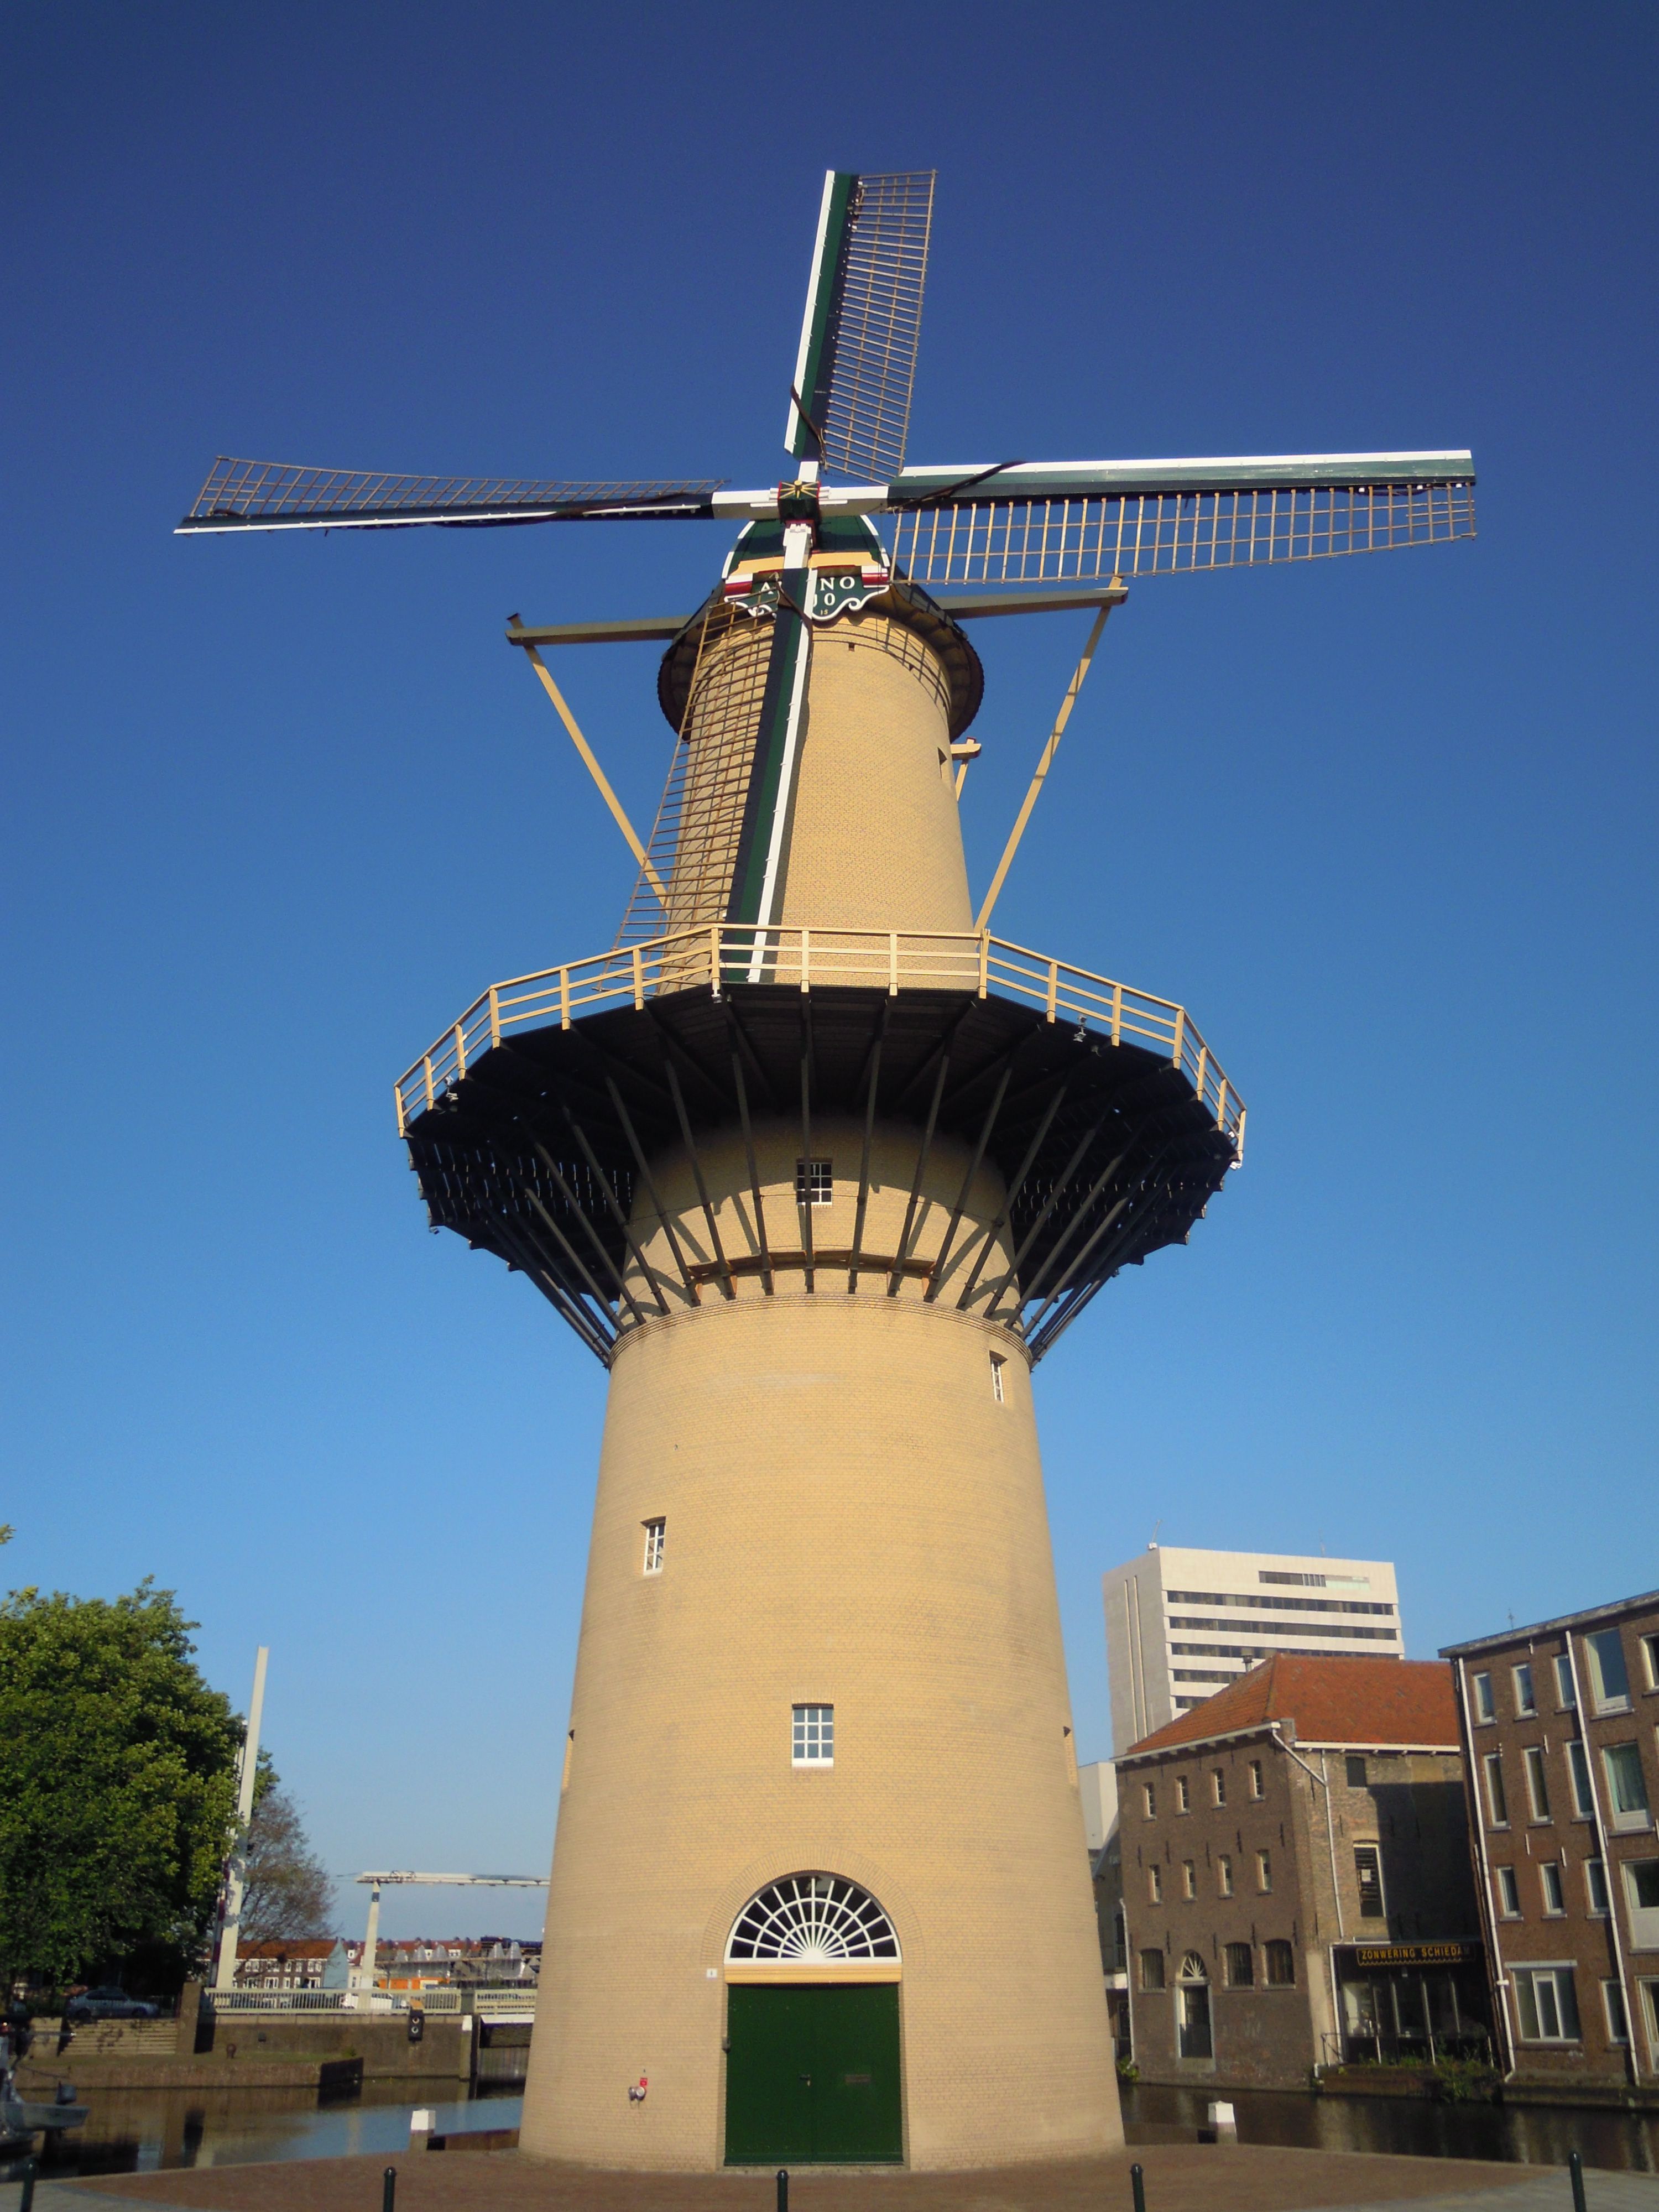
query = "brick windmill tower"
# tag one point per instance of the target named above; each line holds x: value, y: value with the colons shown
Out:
x: 819, y: 1169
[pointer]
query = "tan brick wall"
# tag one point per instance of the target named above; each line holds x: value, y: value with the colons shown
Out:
x: 852, y: 1519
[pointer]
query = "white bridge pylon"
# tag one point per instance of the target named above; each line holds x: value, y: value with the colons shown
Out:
x: 363, y: 1979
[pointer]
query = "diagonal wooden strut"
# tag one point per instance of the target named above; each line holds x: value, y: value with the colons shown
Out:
x: 596, y: 771
x: 1043, y: 767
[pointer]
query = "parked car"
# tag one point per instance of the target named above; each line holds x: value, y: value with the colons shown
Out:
x: 110, y: 2004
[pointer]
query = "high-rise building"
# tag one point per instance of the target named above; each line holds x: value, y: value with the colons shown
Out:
x: 1181, y: 1624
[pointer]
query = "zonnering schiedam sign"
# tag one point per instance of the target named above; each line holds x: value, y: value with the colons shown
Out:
x: 1414, y: 1954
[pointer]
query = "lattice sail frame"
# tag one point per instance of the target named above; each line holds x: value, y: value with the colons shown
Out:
x: 1170, y: 533
x: 811, y: 1919
x: 878, y: 327
x: 277, y: 494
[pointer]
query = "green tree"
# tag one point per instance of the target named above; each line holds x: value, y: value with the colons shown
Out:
x: 117, y: 1783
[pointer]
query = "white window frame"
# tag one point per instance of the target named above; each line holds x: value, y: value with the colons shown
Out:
x: 1651, y: 1659
x: 1486, y: 1705
x: 1183, y: 1794
x: 818, y: 1176
x: 1607, y: 1701
x: 1155, y: 1884
x: 1218, y: 1787
x: 1643, y: 1920
x: 1508, y: 1883
x: 1258, y: 1784
x: 1190, y: 1878
x: 1526, y: 1699
x: 1223, y: 1873
x: 812, y: 1736
x: 1596, y: 1901
x: 1649, y: 1993
x: 1538, y: 1786
x: 1553, y: 1889
x: 1615, y: 2015
x: 999, y: 1361
x: 1627, y: 1821
x: 1264, y: 1872
x: 1564, y: 1696
x: 1374, y: 1846
x: 1557, y: 1974
x: 1498, y: 1800
x: 656, y: 1533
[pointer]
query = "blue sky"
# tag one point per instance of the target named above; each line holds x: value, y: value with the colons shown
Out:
x: 280, y: 808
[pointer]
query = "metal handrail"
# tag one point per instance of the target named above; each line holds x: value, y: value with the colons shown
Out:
x: 714, y: 954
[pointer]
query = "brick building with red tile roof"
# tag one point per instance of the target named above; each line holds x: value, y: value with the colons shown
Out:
x: 1296, y: 1883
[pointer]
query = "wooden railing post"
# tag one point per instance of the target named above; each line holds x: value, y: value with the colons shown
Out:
x: 1221, y: 1107
x: 564, y: 998
x: 397, y: 1094
x: 1054, y: 986
x: 1179, y: 1051
x: 806, y: 957
x: 638, y: 982
x: 714, y: 957
x: 984, y: 963
x: 1203, y: 1069
x: 495, y: 1017
x: 1117, y: 1013
x: 892, y: 963
x: 426, y: 1068
x: 459, y: 1034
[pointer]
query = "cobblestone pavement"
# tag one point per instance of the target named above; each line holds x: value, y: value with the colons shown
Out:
x: 1179, y: 2178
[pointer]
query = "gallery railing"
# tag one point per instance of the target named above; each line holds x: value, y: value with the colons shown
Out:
x: 713, y: 956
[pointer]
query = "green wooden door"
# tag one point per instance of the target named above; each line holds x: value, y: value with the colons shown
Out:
x: 812, y: 2074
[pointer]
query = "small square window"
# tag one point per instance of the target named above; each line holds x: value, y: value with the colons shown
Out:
x: 1264, y: 1871
x: 1549, y: 1877
x: 1356, y: 1770
x: 1610, y: 1683
x: 1525, y: 1704
x: 1218, y: 1787
x: 812, y: 1736
x: 1223, y: 1874
x: 1155, y: 1884
x: 655, y: 1532
x: 1563, y: 1692
x: 1509, y: 1893
x: 1190, y: 1878
x: 815, y: 1179
x: 1152, y: 1970
x: 1485, y: 1710
x: 1240, y: 1966
x: 1257, y: 1789
x: 1596, y: 1885
x: 1281, y: 1964
x: 1184, y: 1795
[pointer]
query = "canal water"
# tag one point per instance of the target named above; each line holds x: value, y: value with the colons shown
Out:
x: 143, y: 2131
x: 1532, y: 2134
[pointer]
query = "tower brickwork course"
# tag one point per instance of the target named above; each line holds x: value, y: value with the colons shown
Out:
x: 819, y: 1170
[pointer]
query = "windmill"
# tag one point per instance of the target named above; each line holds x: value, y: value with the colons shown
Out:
x: 820, y: 1168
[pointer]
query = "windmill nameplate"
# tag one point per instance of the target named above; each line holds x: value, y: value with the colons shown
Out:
x: 825, y: 593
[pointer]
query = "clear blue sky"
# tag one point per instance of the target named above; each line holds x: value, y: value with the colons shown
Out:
x: 279, y: 806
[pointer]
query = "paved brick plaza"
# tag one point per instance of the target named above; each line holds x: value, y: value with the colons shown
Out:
x: 1180, y: 2178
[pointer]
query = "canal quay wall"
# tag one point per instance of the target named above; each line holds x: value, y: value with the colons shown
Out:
x: 263, y: 2050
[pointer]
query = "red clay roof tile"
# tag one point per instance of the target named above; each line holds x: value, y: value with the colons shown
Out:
x: 1337, y: 1700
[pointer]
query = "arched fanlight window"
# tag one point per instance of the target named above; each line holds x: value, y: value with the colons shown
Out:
x: 812, y: 1919
x: 1193, y: 1969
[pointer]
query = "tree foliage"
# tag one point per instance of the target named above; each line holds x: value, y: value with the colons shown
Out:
x: 117, y: 1783
x: 288, y: 1891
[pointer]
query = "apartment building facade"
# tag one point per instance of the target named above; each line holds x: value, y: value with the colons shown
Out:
x: 1560, y: 1727
x: 1182, y: 1624
x: 1296, y: 1878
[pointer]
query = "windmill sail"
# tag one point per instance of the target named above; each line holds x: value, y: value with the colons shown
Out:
x: 1047, y: 522
x: 279, y: 496
x: 857, y: 362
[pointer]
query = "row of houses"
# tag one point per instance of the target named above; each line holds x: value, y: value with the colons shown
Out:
x: 1351, y: 1861
x: 326, y: 1962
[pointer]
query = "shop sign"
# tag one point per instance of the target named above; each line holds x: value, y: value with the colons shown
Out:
x: 1414, y: 1954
